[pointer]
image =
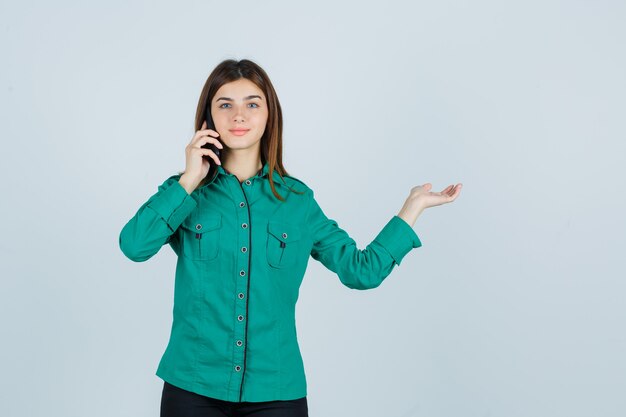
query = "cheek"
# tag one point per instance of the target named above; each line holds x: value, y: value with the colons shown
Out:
x: 217, y: 118
x: 260, y: 120
x: 220, y: 123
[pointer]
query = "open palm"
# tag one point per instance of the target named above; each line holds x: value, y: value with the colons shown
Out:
x: 427, y: 198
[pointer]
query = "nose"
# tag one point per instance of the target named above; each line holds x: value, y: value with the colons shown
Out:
x: 239, y: 117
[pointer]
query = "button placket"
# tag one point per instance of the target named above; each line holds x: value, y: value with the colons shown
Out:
x: 244, y: 258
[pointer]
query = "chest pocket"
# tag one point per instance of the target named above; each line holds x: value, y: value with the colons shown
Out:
x: 283, y: 243
x: 201, y: 237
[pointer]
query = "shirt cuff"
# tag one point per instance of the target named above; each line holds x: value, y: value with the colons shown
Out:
x: 398, y: 238
x: 173, y: 205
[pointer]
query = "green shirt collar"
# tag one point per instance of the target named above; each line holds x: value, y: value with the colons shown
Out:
x: 263, y: 172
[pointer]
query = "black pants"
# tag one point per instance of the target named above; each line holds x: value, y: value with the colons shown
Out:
x: 177, y: 402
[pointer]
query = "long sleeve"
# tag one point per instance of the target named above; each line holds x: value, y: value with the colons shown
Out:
x: 359, y: 268
x: 156, y: 220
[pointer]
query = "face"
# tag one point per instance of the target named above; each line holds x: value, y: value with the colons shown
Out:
x: 240, y: 105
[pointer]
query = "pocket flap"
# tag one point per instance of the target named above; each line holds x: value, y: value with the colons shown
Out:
x: 284, y: 232
x: 203, y: 224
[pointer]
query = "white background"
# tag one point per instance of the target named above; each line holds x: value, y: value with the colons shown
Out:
x: 513, y: 306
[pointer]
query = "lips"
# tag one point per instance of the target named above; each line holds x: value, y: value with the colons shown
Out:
x: 239, y: 132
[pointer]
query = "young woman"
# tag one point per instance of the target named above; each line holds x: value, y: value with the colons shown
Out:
x: 243, y: 230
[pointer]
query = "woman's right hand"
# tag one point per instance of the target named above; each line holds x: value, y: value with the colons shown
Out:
x: 196, y: 166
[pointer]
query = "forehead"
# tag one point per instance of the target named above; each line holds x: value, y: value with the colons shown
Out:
x: 239, y: 89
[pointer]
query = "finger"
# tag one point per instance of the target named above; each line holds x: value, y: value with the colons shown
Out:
x: 204, y: 132
x: 210, y: 153
x: 209, y: 139
x: 202, y: 140
x: 454, y: 192
x: 211, y: 132
x: 199, y: 132
x: 445, y: 191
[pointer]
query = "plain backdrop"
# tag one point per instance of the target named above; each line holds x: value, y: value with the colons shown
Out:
x: 513, y: 306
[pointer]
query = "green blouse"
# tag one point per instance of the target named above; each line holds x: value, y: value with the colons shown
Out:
x: 242, y: 255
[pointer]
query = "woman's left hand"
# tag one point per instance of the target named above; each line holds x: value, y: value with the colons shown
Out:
x: 421, y: 198
x: 424, y: 198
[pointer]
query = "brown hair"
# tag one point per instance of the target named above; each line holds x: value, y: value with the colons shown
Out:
x: 272, y: 140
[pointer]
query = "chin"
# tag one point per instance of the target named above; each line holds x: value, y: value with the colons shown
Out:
x: 241, y: 142
x: 233, y: 146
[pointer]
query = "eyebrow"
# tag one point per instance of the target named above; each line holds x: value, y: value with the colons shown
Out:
x: 245, y: 98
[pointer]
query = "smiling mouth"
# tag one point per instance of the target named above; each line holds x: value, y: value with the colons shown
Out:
x: 239, y: 132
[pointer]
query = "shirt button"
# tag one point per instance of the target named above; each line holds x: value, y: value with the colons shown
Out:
x: 198, y: 226
x: 244, y: 225
x: 242, y: 204
x: 248, y: 182
x: 284, y: 235
x: 239, y: 343
x: 244, y: 249
x: 240, y: 317
x: 242, y: 273
x: 237, y: 368
x: 241, y: 295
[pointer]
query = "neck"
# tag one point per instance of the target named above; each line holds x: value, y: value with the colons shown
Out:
x: 243, y: 164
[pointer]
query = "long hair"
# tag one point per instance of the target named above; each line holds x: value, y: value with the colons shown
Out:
x: 272, y: 140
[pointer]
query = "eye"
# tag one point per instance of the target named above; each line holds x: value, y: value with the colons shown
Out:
x: 227, y: 104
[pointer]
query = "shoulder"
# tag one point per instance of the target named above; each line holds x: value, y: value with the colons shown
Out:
x: 170, y: 180
x: 297, y: 184
x: 174, y: 177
